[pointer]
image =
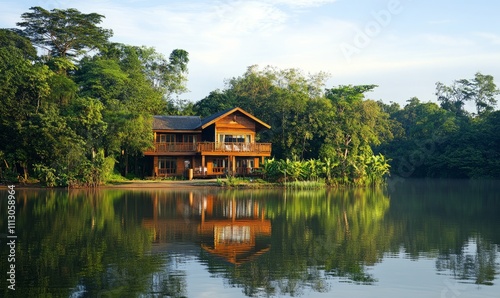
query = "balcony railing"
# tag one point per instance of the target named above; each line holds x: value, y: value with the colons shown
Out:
x: 234, y: 147
x: 212, y: 147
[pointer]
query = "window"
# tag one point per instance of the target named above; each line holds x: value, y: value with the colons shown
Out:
x: 167, y: 165
x: 223, y: 138
x: 219, y: 165
x: 219, y: 162
x: 189, y: 138
x: 165, y: 138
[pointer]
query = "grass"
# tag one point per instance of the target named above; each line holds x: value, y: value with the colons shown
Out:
x: 314, y: 184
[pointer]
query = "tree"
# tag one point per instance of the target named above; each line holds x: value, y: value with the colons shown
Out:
x: 11, y: 39
x: 64, y: 32
x: 24, y: 91
x: 215, y: 102
x: 168, y: 76
x: 481, y: 90
x: 357, y: 123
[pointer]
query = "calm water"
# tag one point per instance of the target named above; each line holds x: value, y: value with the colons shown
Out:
x: 414, y: 239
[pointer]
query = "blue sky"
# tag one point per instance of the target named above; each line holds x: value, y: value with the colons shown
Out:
x: 403, y: 46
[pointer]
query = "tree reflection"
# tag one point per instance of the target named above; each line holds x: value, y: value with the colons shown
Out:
x: 457, y: 220
x: 314, y: 239
x: 475, y: 263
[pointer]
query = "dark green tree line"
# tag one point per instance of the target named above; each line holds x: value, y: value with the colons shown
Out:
x: 447, y: 140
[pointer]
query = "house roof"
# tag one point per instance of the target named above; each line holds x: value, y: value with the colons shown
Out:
x: 195, y: 122
x: 176, y: 122
x: 205, y: 122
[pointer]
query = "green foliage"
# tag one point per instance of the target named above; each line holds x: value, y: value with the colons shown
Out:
x: 482, y: 90
x: 68, y: 117
x: 366, y: 171
x: 64, y: 32
x: 46, y: 175
x: 445, y: 142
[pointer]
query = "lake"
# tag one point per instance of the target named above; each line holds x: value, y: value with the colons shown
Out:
x: 415, y: 238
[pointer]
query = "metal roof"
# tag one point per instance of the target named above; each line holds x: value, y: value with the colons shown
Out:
x: 176, y: 122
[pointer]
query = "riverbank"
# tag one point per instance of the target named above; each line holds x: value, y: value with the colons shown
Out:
x: 163, y: 184
x: 138, y: 184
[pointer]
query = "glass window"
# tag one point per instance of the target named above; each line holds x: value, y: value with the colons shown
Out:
x: 167, y: 165
x: 165, y: 138
x: 234, y: 138
x: 189, y: 138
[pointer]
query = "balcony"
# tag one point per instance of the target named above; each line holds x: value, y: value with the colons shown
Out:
x: 211, y: 148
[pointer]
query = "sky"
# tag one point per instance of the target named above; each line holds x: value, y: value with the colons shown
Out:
x: 403, y: 46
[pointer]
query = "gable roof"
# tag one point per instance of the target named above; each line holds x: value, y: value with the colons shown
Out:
x: 176, y: 122
x: 205, y: 122
x: 196, y: 123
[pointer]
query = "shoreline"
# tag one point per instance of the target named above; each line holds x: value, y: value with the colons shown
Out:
x: 131, y: 184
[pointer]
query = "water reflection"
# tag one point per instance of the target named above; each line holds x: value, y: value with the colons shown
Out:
x: 232, y: 228
x: 117, y: 243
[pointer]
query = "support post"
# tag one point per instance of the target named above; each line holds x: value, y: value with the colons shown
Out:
x: 203, y: 166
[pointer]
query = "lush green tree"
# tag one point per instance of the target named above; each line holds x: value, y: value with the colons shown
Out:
x: 356, y: 126
x: 481, y: 90
x: 64, y: 33
x: 12, y: 40
x: 216, y: 101
x: 24, y: 93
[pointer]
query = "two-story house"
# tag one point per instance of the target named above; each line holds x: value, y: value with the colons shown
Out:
x: 220, y: 144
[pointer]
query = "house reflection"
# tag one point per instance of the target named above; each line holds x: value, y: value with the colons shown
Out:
x: 234, y: 229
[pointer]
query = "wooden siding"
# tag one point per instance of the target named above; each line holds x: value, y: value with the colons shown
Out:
x: 237, y: 122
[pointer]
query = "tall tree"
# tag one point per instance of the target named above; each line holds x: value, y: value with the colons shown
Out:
x: 64, y: 32
x: 481, y: 90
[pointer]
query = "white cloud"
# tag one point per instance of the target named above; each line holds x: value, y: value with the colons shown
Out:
x: 242, y: 17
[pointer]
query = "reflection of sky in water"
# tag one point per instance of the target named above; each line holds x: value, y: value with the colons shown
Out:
x: 396, y: 275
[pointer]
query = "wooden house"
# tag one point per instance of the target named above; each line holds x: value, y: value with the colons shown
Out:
x: 220, y: 144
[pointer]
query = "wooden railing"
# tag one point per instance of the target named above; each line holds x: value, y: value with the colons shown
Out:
x: 211, y: 147
x: 173, y: 147
x: 234, y: 147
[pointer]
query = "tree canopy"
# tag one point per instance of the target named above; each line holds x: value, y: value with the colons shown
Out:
x: 65, y: 32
